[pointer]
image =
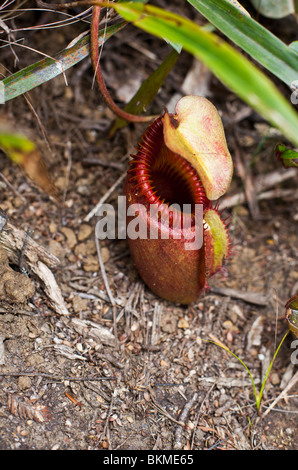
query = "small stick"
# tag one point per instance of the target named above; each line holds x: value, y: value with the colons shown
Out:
x: 198, y: 415
x: 67, y: 154
x: 103, y: 273
x: 105, y: 197
x: 261, y: 183
x: 162, y: 410
x: 16, y: 192
x: 2, y: 351
x: 52, y: 377
x: 12, y: 239
x: 21, y: 260
x: 283, y: 394
x: 178, y: 434
x: 249, y: 297
x: 3, y: 221
x: 156, y: 324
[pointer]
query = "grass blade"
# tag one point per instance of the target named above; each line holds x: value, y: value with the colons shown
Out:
x: 268, y: 371
x: 231, y: 67
x: 244, y: 365
x: 48, y: 68
x: 148, y: 90
x: 252, y: 37
x: 258, y: 396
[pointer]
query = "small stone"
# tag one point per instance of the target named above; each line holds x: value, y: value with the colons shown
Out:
x: 57, y: 249
x: 61, y: 182
x: 91, y: 264
x: 24, y: 382
x: 71, y: 238
x: 79, y: 304
x: 168, y: 323
x: 183, y: 323
x: 52, y: 227
x: 164, y: 364
x: 18, y: 202
x: 85, y: 248
x: 105, y: 254
x: 34, y: 360
x: 275, y: 379
x: 229, y: 325
x: 85, y: 231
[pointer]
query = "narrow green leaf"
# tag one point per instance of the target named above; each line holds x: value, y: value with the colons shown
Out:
x: 48, y: 68
x: 231, y: 67
x: 294, y: 46
x: 268, y: 371
x: 148, y: 90
x: 252, y: 37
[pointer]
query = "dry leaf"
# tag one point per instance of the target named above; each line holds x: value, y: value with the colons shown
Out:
x: 27, y: 410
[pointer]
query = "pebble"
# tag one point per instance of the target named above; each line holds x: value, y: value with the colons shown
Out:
x: 71, y: 238
x: 79, y: 304
x: 275, y: 379
x: 57, y: 249
x: 91, y: 264
x: 24, y: 382
x: 52, y: 227
x: 85, y: 248
x: 85, y: 231
x: 105, y: 254
x: 183, y: 323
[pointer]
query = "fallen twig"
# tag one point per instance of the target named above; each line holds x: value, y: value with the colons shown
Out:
x: 283, y: 394
x: 93, y: 330
x: 12, y: 240
x: 178, y: 434
x: 51, y: 287
x: 19, y: 247
x: 261, y: 183
x: 105, y: 197
x: 54, y: 378
x: 250, y: 297
x: 15, y: 191
x: 103, y: 273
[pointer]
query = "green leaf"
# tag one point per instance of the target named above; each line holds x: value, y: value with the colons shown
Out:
x: 148, y: 90
x: 15, y: 145
x: 24, y: 152
x: 48, y: 68
x: 231, y: 67
x: 273, y: 8
x: 252, y: 37
x: 288, y: 156
x: 294, y: 46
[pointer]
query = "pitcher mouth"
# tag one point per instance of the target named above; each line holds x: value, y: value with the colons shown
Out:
x: 162, y: 177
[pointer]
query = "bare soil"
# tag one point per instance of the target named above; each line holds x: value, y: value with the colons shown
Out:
x: 155, y: 381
